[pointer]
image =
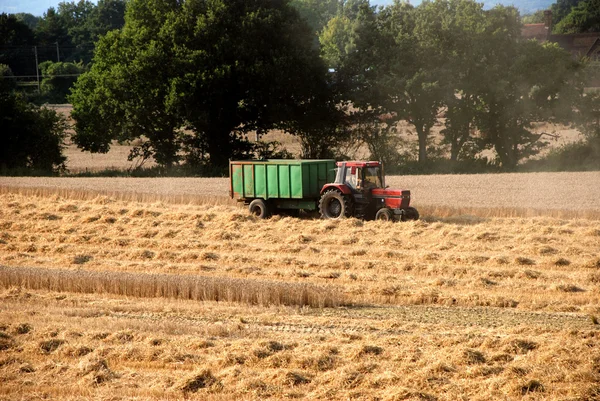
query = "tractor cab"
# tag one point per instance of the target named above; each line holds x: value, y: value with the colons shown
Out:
x: 360, y: 177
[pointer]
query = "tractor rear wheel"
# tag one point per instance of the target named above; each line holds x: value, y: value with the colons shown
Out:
x: 335, y: 205
x: 384, y: 214
x: 410, y: 213
x: 259, y: 208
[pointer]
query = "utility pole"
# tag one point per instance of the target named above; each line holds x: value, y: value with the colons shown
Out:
x: 57, y: 53
x: 37, y: 69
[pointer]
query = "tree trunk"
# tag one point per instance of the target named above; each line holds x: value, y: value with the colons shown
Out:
x: 219, y: 148
x: 454, y: 150
x: 422, y: 133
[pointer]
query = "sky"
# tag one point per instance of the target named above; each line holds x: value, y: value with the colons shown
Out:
x: 38, y: 7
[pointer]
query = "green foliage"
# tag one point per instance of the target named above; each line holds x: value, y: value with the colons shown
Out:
x: 577, y: 156
x: 86, y: 22
x: 7, y: 79
x: 582, y: 17
x: 561, y: 9
x: 51, y: 29
x: 32, y: 138
x: 317, y: 12
x: 14, y: 36
x: 58, y: 80
x: 172, y: 66
x: 75, y: 26
x: 28, y: 19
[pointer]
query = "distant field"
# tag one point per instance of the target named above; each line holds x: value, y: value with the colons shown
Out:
x: 151, y: 291
x: 522, y: 194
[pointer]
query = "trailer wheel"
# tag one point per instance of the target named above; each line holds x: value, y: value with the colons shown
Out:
x: 335, y: 205
x: 410, y: 213
x: 384, y: 214
x: 259, y: 208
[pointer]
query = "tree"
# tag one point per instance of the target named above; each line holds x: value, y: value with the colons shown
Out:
x: 317, y: 12
x: 261, y: 75
x: 51, y: 29
x: 525, y: 82
x: 221, y: 68
x: 583, y: 17
x: 124, y: 95
x: 16, y: 40
x: 454, y: 31
x: 58, y: 79
x: 86, y: 23
x: 7, y: 79
x: 75, y: 26
x: 74, y: 17
x: 28, y: 19
x: 354, y: 49
x: 561, y: 9
x: 107, y: 16
x: 32, y: 138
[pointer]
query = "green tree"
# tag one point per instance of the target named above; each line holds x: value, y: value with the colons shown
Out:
x: 58, y: 79
x: 124, y: 95
x: 86, y: 22
x: 16, y: 41
x: 107, y: 16
x: 317, y: 12
x: 51, y: 29
x: 454, y: 31
x: 221, y: 68
x: 561, y: 9
x: 354, y: 49
x: 525, y: 82
x: 28, y: 19
x: 32, y: 137
x: 263, y: 74
x: 583, y: 17
x: 7, y: 79
x: 73, y: 17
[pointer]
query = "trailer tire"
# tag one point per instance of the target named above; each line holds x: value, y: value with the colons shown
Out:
x: 335, y: 205
x: 410, y: 213
x: 384, y: 214
x: 260, y: 209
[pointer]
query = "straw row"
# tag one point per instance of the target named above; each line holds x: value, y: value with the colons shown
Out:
x: 187, y: 287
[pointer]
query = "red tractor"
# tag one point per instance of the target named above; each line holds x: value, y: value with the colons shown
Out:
x: 359, y: 191
x: 335, y: 189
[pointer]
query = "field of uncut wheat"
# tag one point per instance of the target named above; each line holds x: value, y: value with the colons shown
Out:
x: 107, y: 296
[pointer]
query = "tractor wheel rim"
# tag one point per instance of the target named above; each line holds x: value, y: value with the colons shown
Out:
x: 335, y: 208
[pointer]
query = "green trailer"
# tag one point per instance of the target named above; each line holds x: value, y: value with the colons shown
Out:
x: 270, y: 185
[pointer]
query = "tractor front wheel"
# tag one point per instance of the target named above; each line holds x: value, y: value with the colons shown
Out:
x: 384, y: 214
x: 410, y: 213
x: 259, y: 208
x: 335, y: 205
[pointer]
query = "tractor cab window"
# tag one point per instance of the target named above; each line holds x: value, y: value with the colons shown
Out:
x: 372, y: 177
x: 352, y: 176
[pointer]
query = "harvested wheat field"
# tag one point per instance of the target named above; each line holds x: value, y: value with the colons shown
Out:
x: 133, y: 297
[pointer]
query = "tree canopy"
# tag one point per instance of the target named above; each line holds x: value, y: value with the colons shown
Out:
x: 220, y: 68
x: 32, y: 138
x: 582, y: 17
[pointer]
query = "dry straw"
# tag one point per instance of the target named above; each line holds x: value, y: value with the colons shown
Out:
x: 198, y: 288
x: 86, y: 194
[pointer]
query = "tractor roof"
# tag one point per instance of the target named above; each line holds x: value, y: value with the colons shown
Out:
x: 360, y: 164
